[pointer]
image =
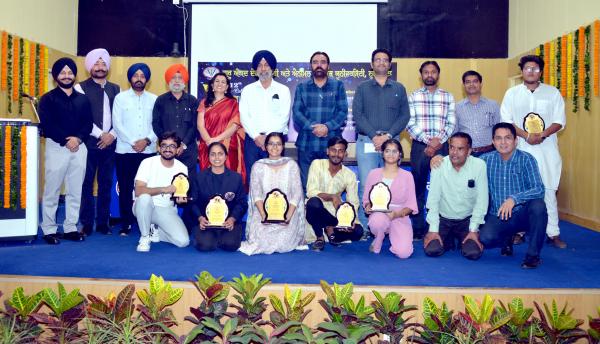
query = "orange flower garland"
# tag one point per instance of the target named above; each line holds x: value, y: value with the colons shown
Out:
x: 15, y: 70
x: 32, y: 69
x: 23, y: 171
x: 4, y: 58
x: 42, y: 80
x: 581, y: 67
x: 547, y: 62
x: 570, y: 65
x: 596, y: 57
x: 563, y: 66
x: 7, y: 160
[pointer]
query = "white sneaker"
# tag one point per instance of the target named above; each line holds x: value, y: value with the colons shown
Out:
x: 144, y: 244
x: 154, y: 233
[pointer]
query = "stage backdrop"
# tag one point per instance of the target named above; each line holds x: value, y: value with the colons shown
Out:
x: 291, y: 74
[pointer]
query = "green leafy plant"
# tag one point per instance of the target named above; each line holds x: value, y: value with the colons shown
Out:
x: 15, y: 324
x: 154, y: 305
x: 213, y: 305
x: 521, y: 328
x: 67, y: 310
x: 389, y: 314
x: 479, y: 322
x: 594, y: 330
x: 291, y: 308
x: 438, y: 325
x: 250, y: 308
x: 559, y: 327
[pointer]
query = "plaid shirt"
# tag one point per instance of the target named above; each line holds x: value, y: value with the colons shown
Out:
x: 313, y: 105
x: 518, y: 178
x: 431, y: 115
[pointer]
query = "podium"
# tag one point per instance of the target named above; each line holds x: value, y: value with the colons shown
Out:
x: 19, y: 166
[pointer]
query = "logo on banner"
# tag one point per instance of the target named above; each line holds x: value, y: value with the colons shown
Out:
x: 209, y: 72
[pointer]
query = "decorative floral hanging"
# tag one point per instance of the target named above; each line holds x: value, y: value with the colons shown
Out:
x: 596, y: 57
x: 570, y: 65
x: 576, y: 72
x: 539, y: 51
x: 4, y: 60
x: 6, y: 165
x: 558, y: 64
x: 581, y: 36
x: 588, y: 62
x: 23, y: 168
x: 563, y: 66
x: 546, y: 75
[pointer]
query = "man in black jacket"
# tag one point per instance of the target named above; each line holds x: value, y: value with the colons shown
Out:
x: 66, y: 121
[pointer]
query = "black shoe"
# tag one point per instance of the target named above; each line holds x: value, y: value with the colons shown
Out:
x: 103, y: 229
x: 125, y: 230
x: 51, y: 239
x: 74, y: 236
x: 318, y: 245
x: 507, y: 250
x: 87, y: 230
x: 531, y: 262
x: 518, y: 238
x: 333, y: 241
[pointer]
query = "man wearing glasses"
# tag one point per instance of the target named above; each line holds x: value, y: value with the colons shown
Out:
x: 537, y: 111
x: 154, y: 192
x: 380, y: 110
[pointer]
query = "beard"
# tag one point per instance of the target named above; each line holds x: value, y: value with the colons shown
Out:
x: 138, y: 86
x: 66, y: 85
x: 319, y: 73
x: 176, y: 88
x: 264, y: 76
x: 429, y: 81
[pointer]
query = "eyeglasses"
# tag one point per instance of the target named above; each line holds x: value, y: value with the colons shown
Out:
x: 165, y: 146
x: 532, y: 69
x: 274, y: 144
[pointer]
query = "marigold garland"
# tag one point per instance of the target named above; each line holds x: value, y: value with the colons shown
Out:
x: 546, y: 75
x: 44, y: 75
x: 7, y: 160
x: 23, y: 167
x: 552, y: 66
x: 540, y: 52
x: 21, y: 76
x: 32, y: 74
x: 4, y: 58
x: 581, y: 56
x: 576, y: 72
x: 26, y: 51
x: 570, y: 65
x: 14, y: 182
x: 9, y: 73
x: 558, y: 64
x: 596, y: 57
x: 36, y: 92
x: 563, y: 66
x: 2, y: 149
x: 588, y: 62
x: 16, y: 67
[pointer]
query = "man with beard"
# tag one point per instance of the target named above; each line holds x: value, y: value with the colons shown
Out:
x: 176, y: 111
x: 548, y: 107
x: 153, y: 192
x: 66, y: 121
x: 457, y: 201
x: 100, y: 142
x: 136, y: 141
x: 476, y: 115
x: 380, y: 109
x: 264, y: 108
x: 431, y: 122
x: 320, y: 109
x: 328, y: 179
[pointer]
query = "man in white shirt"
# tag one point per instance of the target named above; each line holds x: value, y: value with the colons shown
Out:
x: 153, y: 192
x: 264, y: 108
x: 548, y: 108
x: 136, y: 141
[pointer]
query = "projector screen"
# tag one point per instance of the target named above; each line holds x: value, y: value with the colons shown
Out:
x: 234, y: 32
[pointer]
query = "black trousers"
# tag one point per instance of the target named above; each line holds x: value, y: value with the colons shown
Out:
x: 100, y: 162
x: 319, y: 218
x: 420, y: 170
x: 212, y: 238
x: 452, y: 231
x: 127, y: 166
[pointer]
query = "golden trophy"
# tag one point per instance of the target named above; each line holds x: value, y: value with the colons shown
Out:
x: 217, y: 211
x: 533, y: 123
x: 182, y: 185
x: 346, y: 216
x: 380, y: 197
x: 275, y: 206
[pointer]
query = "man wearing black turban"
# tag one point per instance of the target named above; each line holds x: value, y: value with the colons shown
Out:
x: 136, y: 141
x: 65, y: 120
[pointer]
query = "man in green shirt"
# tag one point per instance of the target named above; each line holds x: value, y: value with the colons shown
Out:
x: 457, y: 201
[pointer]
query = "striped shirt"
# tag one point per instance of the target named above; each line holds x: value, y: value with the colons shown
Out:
x: 477, y: 119
x: 518, y: 178
x: 319, y: 105
x: 431, y: 115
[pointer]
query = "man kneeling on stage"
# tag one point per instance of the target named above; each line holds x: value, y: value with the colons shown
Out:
x: 457, y: 201
x: 327, y: 180
x: 153, y: 191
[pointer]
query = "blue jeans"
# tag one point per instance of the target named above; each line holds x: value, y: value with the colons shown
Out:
x: 252, y: 153
x: 531, y: 216
x: 366, y: 162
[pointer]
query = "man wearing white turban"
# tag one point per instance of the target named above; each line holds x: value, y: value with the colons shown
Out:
x: 100, y: 143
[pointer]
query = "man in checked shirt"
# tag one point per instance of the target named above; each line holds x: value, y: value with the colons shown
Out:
x: 431, y: 123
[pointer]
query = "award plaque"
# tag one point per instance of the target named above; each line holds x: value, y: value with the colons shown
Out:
x: 275, y: 206
x: 345, y: 215
x: 533, y: 123
x: 380, y: 197
x: 181, y: 184
x: 217, y: 211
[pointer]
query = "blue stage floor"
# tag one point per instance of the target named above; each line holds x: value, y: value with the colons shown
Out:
x: 115, y: 257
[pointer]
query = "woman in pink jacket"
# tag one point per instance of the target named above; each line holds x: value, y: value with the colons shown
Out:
x: 403, y: 203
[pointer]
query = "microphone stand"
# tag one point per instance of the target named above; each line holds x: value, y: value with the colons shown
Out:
x: 33, y: 101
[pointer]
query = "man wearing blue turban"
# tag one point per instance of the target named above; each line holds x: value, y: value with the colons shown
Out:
x: 136, y: 141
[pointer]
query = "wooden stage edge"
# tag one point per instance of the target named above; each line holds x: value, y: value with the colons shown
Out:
x: 585, y: 301
x: 591, y: 224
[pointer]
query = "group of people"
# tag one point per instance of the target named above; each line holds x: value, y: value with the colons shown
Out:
x: 483, y: 192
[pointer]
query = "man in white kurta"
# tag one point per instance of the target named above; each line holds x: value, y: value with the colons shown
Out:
x: 547, y: 102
